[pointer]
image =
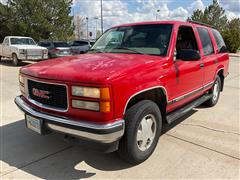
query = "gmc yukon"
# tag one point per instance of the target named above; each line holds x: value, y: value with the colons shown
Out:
x: 135, y: 78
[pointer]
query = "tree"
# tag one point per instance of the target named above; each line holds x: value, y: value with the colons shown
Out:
x: 40, y: 19
x: 231, y: 35
x: 79, y: 23
x: 213, y: 14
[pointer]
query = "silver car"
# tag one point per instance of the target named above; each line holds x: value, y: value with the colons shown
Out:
x: 79, y: 47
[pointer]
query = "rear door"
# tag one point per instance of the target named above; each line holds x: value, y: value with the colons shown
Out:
x: 209, y: 58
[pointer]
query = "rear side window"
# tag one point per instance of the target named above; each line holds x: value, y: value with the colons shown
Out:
x: 219, y: 40
x: 206, y: 41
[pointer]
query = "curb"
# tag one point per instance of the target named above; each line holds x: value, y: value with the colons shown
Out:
x: 234, y: 55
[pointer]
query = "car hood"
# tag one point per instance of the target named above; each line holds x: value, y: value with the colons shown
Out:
x: 28, y: 47
x: 90, y: 68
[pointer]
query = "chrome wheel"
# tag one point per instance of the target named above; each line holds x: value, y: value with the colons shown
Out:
x: 215, y: 91
x: 146, y: 132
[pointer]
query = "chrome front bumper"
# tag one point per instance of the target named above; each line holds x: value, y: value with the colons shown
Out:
x: 103, y: 133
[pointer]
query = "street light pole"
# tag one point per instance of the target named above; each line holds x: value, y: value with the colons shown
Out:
x: 101, y: 17
x: 158, y: 10
x: 96, y: 18
x: 87, y: 28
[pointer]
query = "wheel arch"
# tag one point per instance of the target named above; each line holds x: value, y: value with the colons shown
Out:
x: 220, y: 73
x: 157, y: 94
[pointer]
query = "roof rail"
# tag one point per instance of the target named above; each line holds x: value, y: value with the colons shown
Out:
x: 200, y: 23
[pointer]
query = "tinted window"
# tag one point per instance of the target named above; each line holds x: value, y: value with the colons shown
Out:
x: 206, y: 41
x: 60, y: 44
x: 80, y: 43
x: 45, y: 44
x: 219, y: 40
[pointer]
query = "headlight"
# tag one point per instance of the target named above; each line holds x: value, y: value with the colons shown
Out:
x: 22, y: 83
x: 45, y: 51
x: 22, y: 51
x: 21, y: 79
x: 86, y: 105
x: 86, y: 92
x: 91, y: 92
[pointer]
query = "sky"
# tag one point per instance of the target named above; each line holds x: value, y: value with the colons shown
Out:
x: 126, y: 11
x: 117, y: 12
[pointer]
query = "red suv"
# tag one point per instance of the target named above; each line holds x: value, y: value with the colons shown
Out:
x: 134, y: 78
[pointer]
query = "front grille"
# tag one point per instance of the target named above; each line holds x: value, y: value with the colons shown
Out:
x: 34, y: 52
x: 50, y: 95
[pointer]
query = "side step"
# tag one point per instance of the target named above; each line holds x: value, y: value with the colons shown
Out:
x: 185, y: 109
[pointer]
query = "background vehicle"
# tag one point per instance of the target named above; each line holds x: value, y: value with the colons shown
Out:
x: 56, y: 48
x: 79, y: 47
x: 135, y: 77
x: 22, y: 49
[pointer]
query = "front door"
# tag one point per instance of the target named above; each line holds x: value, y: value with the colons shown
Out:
x: 189, y: 73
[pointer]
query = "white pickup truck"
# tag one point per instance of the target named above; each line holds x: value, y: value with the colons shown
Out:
x: 20, y: 49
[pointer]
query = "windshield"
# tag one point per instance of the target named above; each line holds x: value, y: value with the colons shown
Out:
x: 22, y: 41
x: 150, y: 39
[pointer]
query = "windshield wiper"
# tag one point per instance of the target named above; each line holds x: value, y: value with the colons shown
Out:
x: 133, y: 50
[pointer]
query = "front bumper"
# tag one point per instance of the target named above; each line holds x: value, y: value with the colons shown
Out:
x: 32, y: 58
x: 102, y: 133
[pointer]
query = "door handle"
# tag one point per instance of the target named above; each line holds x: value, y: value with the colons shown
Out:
x: 201, y: 65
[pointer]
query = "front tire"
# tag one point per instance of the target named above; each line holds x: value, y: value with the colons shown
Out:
x: 143, y: 128
x: 15, y: 59
x: 215, y: 92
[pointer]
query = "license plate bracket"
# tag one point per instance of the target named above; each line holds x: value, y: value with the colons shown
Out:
x: 34, y: 124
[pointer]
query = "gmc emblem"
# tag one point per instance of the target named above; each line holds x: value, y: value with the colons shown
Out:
x: 40, y: 93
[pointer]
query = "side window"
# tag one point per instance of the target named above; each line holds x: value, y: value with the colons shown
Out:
x: 220, y: 42
x: 186, y: 41
x: 206, y: 41
x: 6, y: 41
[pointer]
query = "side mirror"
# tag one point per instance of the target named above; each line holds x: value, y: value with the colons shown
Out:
x: 223, y: 49
x: 188, y: 55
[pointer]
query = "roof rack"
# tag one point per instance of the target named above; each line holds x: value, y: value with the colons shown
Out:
x: 200, y: 23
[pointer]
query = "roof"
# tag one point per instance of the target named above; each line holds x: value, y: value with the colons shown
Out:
x: 162, y: 22
x: 17, y: 37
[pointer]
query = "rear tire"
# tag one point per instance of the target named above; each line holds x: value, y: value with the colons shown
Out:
x: 15, y: 59
x: 215, y: 92
x: 143, y: 128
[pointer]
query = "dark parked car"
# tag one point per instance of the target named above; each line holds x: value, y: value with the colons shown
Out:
x: 56, y: 48
x: 80, y: 46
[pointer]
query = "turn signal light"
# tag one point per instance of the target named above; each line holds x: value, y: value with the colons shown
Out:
x: 105, y: 107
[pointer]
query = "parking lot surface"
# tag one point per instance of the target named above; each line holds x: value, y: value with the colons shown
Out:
x: 205, y: 144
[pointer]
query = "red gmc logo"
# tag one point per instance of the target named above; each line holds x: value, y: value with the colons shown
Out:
x: 40, y: 93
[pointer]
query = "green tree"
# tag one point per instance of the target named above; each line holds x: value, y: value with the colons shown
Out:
x: 6, y: 17
x: 40, y: 19
x: 231, y: 35
x: 213, y: 14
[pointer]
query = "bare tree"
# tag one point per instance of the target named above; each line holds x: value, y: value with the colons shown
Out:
x: 79, y: 23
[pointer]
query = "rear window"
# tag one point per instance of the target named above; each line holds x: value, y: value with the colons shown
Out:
x: 80, y: 43
x: 45, y: 44
x: 206, y: 41
x: 60, y: 44
x: 219, y: 40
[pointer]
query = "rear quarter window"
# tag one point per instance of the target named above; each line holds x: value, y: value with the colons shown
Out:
x: 219, y: 40
x: 206, y: 41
